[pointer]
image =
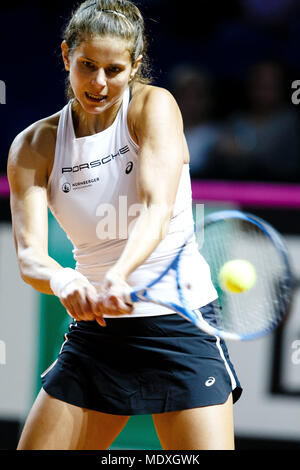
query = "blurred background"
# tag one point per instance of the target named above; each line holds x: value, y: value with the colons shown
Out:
x: 233, y: 67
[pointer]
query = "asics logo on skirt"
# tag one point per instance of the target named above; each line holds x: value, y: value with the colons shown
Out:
x: 210, y: 381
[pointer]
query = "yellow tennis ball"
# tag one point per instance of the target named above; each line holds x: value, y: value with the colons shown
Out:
x: 237, y: 276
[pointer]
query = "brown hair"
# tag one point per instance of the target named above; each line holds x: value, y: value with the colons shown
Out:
x: 117, y: 18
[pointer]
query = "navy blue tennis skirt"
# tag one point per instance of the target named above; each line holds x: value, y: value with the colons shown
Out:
x: 142, y: 365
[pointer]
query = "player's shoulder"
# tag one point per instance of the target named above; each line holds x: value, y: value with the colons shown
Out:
x: 151, y: 105
x: 38, y: 138
x: 148, y: 96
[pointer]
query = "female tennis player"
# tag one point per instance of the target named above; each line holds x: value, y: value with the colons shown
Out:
x: 118, y: 142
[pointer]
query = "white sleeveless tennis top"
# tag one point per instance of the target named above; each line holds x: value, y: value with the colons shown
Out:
x: 92, y: 194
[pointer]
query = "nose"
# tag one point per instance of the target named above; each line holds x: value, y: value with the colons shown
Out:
x: 100, y: 78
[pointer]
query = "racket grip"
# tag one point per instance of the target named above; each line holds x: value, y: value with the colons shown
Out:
x: 133, y: 296
x: 137, y: 295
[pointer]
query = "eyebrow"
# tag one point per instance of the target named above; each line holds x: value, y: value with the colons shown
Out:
x: 95, y: 61
x: 87, y: 58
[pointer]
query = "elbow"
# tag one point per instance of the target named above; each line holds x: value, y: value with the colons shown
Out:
x: 29, y: 276
x: 26, y: 279
x: 163, y: 215
x: 24, y: 272
x: 25, y: 266
x: 165, y: 225
x: 35, y: 269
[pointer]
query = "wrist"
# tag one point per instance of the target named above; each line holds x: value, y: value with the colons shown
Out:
x: 117, y: 272
x: 62, y: 277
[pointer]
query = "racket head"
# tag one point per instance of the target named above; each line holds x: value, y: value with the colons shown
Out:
x: 236, y: 235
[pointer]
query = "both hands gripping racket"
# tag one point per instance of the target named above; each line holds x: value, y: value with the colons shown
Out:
x: 254, y: 312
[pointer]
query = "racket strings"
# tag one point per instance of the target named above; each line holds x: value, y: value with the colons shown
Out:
x: 256, y: 309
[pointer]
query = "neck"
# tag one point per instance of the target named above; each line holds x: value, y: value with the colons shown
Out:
x: 89, y: 124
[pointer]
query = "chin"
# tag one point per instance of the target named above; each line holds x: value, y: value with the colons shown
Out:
x: 91, y: 107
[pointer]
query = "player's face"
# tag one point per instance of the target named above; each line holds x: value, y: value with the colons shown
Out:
x: 100, y: 70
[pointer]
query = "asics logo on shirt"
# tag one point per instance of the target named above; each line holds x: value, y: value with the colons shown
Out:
x: 95, y: 163
x: 129, y: 168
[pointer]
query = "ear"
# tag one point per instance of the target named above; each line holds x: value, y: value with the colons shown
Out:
x: 135, y: 67
x: 65, y: 55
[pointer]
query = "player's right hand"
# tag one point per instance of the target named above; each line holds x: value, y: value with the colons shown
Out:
x: 80, y: 298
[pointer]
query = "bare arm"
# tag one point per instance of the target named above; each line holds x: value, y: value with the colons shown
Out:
x: 159, y: 132
x: 28, y: 170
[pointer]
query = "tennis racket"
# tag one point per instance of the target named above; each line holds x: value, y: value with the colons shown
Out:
x: 234, y: 235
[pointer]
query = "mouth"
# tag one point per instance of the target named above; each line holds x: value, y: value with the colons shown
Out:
x: 95, y: 98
